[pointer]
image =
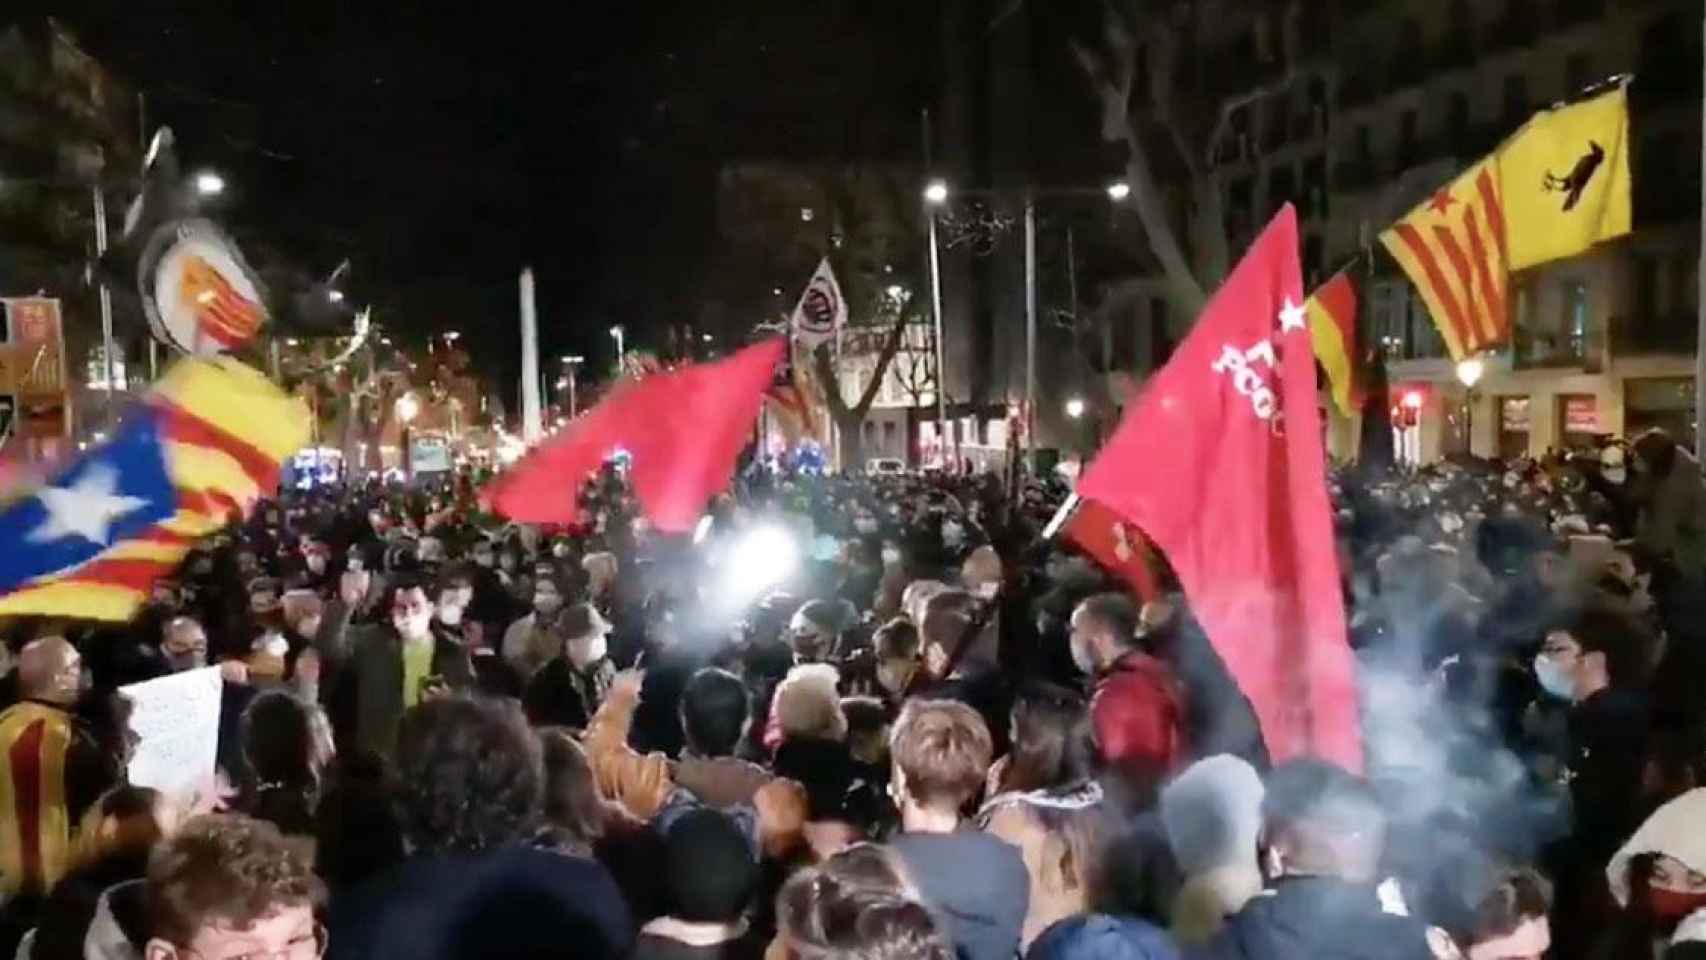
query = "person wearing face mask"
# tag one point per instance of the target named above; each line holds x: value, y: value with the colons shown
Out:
x: 390, y: 666
x: 51, y: 770
x: 568, y: 690
x: 1138, y: 707
x: 1658, y: 879
x: 1592, y: 660
x: 529, y: 642
x: 453, y: 619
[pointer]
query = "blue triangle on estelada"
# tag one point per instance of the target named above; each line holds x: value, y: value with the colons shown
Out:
x: 115, y: 491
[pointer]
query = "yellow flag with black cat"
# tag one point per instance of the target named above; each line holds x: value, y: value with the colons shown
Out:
x: 1564, y: 180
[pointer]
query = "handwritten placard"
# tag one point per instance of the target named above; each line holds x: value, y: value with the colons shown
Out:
x: 176, y: 721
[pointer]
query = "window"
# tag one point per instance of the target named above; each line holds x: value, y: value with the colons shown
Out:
x: 1457, y: 118
x: 1516, y: 99
x: 1160, y: 340
x: 1424, y: 339
x: 95, y: 370
x: 1578, y: 73
x: 1408, y: 148
x: 1513, y: 427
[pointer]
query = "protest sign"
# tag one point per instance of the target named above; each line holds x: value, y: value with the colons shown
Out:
x: 176, y: 722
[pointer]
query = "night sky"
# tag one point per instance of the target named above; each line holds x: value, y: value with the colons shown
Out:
x: 441, y: 151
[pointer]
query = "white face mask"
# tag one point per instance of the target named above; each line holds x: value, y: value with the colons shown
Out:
x: 547, y: 602
x: 413, y: 626
x: 953, y: 534
x: 450, y: 609
x: 988, y: 590
x: 588, y: 650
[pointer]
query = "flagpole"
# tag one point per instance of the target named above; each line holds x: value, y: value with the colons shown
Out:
x: 1700, y: 332
x: 531, y: 425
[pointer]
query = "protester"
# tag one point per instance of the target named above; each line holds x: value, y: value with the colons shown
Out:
x: 530, y: 641
x: 388, y: 667
x: 1136, y: 710
x: 227, y: 886
x: 711, y: 875
x: 472, y: 784
x: 941, y: 754
x: 568, y: 689
x: 1322, y: 837
x: 1212, y: 812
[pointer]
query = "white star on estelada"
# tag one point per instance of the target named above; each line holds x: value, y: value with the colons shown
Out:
x: 1293, y: 317
x: 86, y: 509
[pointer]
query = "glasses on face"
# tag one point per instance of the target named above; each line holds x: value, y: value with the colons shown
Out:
x: 307, y: 946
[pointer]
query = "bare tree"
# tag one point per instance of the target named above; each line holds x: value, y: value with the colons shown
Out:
x: 915, y: 365
x: 1160, y: 76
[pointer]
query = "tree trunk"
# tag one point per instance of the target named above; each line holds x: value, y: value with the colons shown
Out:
x: 849, y: 420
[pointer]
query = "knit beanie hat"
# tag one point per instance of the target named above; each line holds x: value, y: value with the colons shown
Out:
x: 709, y: 869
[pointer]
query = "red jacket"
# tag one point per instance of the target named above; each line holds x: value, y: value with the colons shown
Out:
x: 1138, y: 712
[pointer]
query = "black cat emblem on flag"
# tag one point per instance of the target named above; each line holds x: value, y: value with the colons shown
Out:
x: 1573, y: 183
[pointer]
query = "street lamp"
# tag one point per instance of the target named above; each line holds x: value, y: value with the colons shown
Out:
x: 451, y: 336
x: 1469, y: 373
x: 1075, y: 408
x: 573, y: 362
x: 621, y: 345
x: 335, y: 295
x: 936, y: 192
x: 1118, y: 191
x: 407, y: 408
x: 209, y: 184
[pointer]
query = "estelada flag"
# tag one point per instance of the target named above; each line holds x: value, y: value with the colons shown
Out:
x: 1220, y: 463
x: 1452, y: 247
x: 204, y: 446
x: 1333, y: 332
x: 682, y: 429
x: 1565, y: 179
x: 1115, y: 543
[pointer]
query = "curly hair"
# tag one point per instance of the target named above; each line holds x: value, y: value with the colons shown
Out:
x: 821, y: 914
x: 471, y: 773
x: 227, y: 869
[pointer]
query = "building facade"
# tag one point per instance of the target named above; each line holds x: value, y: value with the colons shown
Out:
x: 1603, y: 343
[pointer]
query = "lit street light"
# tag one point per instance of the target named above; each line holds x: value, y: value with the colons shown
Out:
x: 335, y: 295
x: 1469, y: 372
x: 1118, y: 191
x: 209, y: 184
x: 407, y: 408
x: 621, y: 345
x: 1075, y: 408
x: 936, y: 192
x: 896, y: 291
x: 573, y: 362
x: 451, y: 336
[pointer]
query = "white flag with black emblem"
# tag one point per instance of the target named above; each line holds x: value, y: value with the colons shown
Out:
x: 821, y: 311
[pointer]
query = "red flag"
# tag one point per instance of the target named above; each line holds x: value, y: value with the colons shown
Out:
x: 1115, y: 543
x: 682, y: 428
x: 1220, y: 462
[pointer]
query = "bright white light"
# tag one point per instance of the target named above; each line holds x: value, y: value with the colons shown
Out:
x: 407, y: 407
x: 1075, y: 408
x: 335, y: 295
x: 616, y: 331
x: 936, y: 192
x: 1469, y: 372
x: 291, y: 342
x: 562, y: 383
x: 703, y: 530
x: 573, y: 359
x: 1118, y: 190
x: 762, y: 559
x: 707, y: 338
x: 209, y: 184
x: 895, y: 291
x: 452, y: 335
x: 1413, y: 400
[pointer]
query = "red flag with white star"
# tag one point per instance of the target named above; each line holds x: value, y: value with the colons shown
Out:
x: 1220, y: 463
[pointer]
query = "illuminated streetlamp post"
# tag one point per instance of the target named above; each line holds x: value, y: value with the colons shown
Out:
x: 1469, y: 372
x: 573, y: 363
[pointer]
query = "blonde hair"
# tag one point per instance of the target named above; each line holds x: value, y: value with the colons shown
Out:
x: 807, y: 704
x: 943, y: 748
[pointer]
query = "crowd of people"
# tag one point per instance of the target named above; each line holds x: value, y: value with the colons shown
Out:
x: 934, y: 735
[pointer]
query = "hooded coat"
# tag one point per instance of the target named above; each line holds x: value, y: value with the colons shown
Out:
x: 1213, y: 813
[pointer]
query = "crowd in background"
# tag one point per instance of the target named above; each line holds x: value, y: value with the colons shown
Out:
x: 935, y: 735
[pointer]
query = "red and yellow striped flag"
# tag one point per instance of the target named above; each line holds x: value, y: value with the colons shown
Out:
x: 1333, y: 333
x: 219, y: 429
x: 1453, y: 248
x: 35, y: 830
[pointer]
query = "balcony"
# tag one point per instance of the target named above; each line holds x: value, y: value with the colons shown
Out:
x: 1548, y: 348
x: 1654, y: 335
